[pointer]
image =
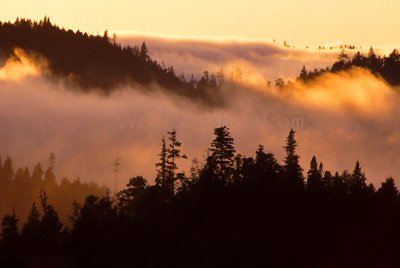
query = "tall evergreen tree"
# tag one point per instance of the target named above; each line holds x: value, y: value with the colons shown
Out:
x: 162, y: 166
x: 10, y: 234
x: 266, y: 164
x: 303, y: 74
x: 144, y: 52
x: 388, y: 196
x: 20, y: 176
x: 173, y: 154
x: 37, y: 174
x: 222, y: 154
x: 357, y: 180
x: 293, y: 170
x: 314, y: 177
x: 373, y: 61
x: 93, y: 222
x: 50, y: 223
x: 7, y: 171
x: 49, y: 177
x: 327, y: 179
x: 134, y: 189
x: 389, y: 188
x: 31, y: 230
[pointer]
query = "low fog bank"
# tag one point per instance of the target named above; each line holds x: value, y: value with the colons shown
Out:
x: 267, y: 59
x: 341, y: 118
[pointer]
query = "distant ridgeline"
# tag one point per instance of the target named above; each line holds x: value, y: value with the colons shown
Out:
x: 98, y: 62
x: 388, y: 67
x: 19, y: 187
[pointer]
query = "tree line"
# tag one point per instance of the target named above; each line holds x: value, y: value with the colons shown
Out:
x: 387, y: 67
x: 229, y: 210
x: 98, y: 62
x: 19, y: 187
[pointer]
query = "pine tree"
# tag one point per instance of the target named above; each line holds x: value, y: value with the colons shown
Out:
x: 49, y: 177
x: 293, y: 170
x: 327, y: 179
x: 6, y: 179
x: 161, y: 167
x: 388, y: 193
x: 314, y: 177
x: 6, y: 171
x: 266, y: 164
x: 105, y: 36
x: 92, y: 221
x: 194, y: 170
x: 238, y: 161
x: 31, y: 230
x: 10, y: 235
x: 213, y: 81
x: 50, y: 223
x: 220, y: 78
x: 321, y: 168
x: 144, y: 52
x: 173, y: 154
x: 222, y: 154
x: 357, y: 181
x: 303, y: 74
x: 135, y: 188
x: 52, y: 160
x: 37, y: 174
x: 373, y: 61
x: 359, y: 60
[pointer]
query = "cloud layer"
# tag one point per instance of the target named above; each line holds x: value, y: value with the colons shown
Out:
x: 340, y: 118
x: 261, y: 60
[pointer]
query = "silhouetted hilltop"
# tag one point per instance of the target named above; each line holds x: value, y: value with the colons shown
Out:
x: 388, y: 67
x: 93, y: 61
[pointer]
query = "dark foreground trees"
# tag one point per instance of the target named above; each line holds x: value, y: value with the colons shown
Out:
x: 232, y: 211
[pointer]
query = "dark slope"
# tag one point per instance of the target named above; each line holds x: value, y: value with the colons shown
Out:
x: 95, y: 62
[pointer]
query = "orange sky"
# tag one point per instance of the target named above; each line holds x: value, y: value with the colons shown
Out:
x: 300, y: 22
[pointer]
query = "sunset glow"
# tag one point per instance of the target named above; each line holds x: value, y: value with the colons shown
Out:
x: 301, y: 23
x: 19, y: 67
x: 192, y: 134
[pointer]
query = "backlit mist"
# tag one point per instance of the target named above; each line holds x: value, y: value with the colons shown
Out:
x: 341, y: 118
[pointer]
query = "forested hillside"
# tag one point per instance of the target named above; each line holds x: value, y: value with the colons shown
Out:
x: 94, y: 62
x: 230, y: 211
x: 387, y: 67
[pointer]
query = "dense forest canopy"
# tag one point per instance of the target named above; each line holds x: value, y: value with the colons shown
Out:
x: 99, y: 62
x: 230, y: 211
